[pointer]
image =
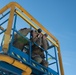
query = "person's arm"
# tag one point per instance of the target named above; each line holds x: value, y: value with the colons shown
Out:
x: 45, y: 45
x: 35, y: 36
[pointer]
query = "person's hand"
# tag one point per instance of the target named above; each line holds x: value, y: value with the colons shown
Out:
x: 39, y: 35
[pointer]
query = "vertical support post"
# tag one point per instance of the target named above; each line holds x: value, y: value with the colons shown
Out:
x: 30, y: 48
x: 60, y: 59
x: 8, y: 31
x: 14, y: 27
x: 56, y: 60
x: 46, y: 56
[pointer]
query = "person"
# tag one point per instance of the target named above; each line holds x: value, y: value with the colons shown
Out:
x: 19, y: 41
x: 37, y: 52
x: 36, y: 37
x: 45, y: 46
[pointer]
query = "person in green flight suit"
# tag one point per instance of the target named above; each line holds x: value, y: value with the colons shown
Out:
x: 19, y: 41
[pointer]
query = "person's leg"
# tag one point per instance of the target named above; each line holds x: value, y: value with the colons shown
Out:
x: 44, y: 63
x: 37, y: 58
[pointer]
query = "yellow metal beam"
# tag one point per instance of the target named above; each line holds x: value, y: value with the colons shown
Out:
x: 24, y: 18
x: 5, y: 8
x: 60, y: 60
x: 7, y: 59
x: 8, y: 31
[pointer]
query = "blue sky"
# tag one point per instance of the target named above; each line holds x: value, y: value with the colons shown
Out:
x: 59, y: 18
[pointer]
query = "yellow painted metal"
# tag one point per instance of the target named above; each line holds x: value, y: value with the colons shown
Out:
x: 6, y: 7
x: 25, y: 68
x: 60, y: 60
x: 24, y: 18
x: 8, y: 31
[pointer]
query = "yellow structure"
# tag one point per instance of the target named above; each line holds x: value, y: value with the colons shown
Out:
x: 35, y: 24
x: 7, y: 59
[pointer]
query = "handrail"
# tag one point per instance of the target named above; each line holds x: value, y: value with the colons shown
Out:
x: 10, y: 60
